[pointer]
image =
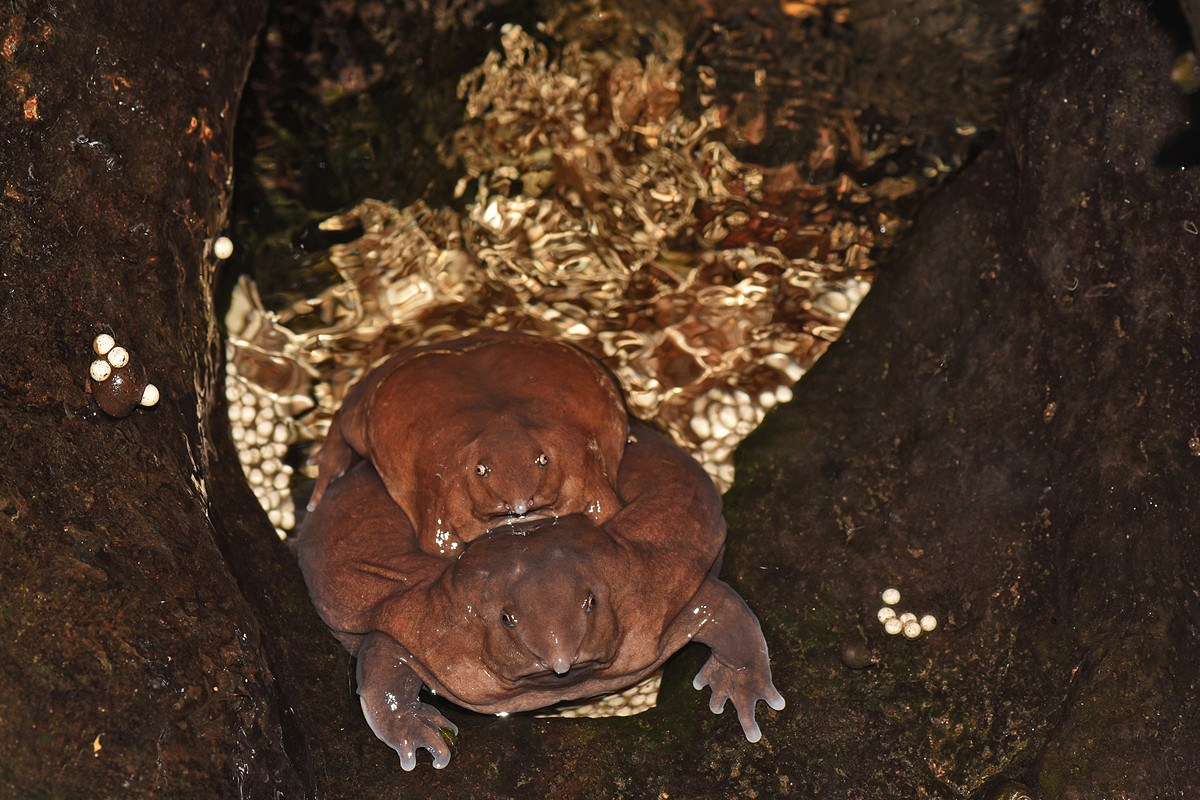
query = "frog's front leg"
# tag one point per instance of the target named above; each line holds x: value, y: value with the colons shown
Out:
x: 389, y: 691
x: 738, y: 669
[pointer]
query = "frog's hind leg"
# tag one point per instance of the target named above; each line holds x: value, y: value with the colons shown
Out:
x: 335, y: 457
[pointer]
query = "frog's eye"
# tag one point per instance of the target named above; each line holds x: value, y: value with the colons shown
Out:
x: 589, y: 605
x: 541, y: 460
x: 508, y: 619
x: 482, y: 470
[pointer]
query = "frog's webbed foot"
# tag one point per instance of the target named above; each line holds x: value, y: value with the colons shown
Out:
x: 739, y: 668
x: 745, y: 686
x: 388, y: 689
x: 409, y: 727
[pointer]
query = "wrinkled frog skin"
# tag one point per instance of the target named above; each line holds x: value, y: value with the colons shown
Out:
x: 535, y: 612
x: 472, y: 433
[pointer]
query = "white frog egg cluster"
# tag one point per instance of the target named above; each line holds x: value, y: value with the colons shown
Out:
x: 905, y: 622
x: 841, y: 299
x: 724, y: 416
x: 261, y: 428
x: 634, y: 700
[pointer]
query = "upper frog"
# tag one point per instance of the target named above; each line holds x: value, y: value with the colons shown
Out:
x: 481, y: 431
x: 536, y: 612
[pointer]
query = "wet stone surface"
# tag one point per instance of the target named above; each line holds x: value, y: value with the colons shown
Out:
x: 1014, y: 456
x: 131, y: 665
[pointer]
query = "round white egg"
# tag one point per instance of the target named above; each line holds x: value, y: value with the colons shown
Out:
x: 118, y: 357
x: 100, y: 370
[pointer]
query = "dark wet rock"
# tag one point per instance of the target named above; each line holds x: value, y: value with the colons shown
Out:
x: 131, y: 665
x: 856, y: 653
x: 1004, y: 434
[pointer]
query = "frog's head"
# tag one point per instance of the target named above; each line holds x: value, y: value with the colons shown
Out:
x: 543, y: 598
x: 512, y: 470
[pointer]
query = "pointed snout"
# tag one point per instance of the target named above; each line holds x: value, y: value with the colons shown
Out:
x: 561, y: 653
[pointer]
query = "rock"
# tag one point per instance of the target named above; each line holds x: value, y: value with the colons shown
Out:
x: 1004, y: 434
x: 132, y: 664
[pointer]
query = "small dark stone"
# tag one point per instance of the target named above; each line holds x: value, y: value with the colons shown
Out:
x: 856, y: 654
x: 120, y: 393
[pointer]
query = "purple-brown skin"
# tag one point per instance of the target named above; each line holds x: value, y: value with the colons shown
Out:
x: 534, y: 613
x: 476, y: 432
